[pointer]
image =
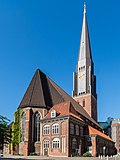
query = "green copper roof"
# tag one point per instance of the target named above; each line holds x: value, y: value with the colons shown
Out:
x: 104, y: 124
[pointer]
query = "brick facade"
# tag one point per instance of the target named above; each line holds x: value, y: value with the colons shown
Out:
x: 89, y: 103
x: 116, y: 132
x: 73, y: 141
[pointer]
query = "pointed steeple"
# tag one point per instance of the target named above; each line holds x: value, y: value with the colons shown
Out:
x: 84, y: 80
x: 85, y: 51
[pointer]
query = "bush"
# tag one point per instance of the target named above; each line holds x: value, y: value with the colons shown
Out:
x: 34, y: 154
x: 87, y: 154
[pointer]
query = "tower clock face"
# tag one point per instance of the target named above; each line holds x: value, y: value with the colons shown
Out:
x: 81, y: 75
x: 81, y: 81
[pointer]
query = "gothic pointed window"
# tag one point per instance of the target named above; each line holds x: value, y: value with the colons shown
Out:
x: 23, y: 126
x: 37, y: 127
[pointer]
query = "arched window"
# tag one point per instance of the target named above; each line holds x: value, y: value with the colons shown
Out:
x: 23, y: 126
x: 56, y: 143
x: 74, y: 143
x: 55, y: 128
x: 37, y: 127
x: 46, y: 129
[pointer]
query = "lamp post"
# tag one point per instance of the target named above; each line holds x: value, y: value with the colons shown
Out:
x: 104, y: 150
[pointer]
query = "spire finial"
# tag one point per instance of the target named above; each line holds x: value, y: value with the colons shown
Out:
x: 84, y: 7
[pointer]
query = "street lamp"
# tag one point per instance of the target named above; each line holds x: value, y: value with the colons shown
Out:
x: 104, y: 150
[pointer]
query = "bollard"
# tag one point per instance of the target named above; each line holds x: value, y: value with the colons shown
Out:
x: 101, y: 156
x: 107, y: 157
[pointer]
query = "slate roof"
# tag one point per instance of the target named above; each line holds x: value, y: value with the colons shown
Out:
x: 43, y: 92
x: 40, y: 92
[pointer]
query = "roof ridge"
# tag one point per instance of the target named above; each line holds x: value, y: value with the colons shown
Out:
x: 33, y: 88
x: 41, y: 83
x: 55, y: 87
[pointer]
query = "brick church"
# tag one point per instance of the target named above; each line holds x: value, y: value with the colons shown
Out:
x: 55, y: 124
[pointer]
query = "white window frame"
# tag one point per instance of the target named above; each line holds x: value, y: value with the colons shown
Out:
x: 46, y: 144
x: 53, y: 113
x: 56, y: 143
x: 55, y: 128
x: 46, y: 130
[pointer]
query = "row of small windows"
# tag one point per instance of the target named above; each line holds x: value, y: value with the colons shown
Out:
x: 55, y: 129
x: 75, y: 129
x: 81, y: 68
x: 55, y: 143
x: 81, y: 93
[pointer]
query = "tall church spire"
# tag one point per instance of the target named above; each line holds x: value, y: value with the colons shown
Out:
x: 85, y: 51
x: 84, y: 80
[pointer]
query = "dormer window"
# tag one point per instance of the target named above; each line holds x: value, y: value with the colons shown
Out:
x: 53, y: 113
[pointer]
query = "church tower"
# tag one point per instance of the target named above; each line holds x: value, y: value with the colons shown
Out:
x: 84, y: 80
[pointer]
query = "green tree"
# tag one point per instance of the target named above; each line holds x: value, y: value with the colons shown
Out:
x: 5, y: 132
x: 16, y: 128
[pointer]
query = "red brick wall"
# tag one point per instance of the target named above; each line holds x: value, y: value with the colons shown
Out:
x: 63, y: 124
x: 90, y: 104
x: 28, y: 144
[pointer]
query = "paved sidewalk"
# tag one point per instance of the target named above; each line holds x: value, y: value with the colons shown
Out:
x: 9, y: 157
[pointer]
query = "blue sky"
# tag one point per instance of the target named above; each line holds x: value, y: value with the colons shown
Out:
x: 45, y: 34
